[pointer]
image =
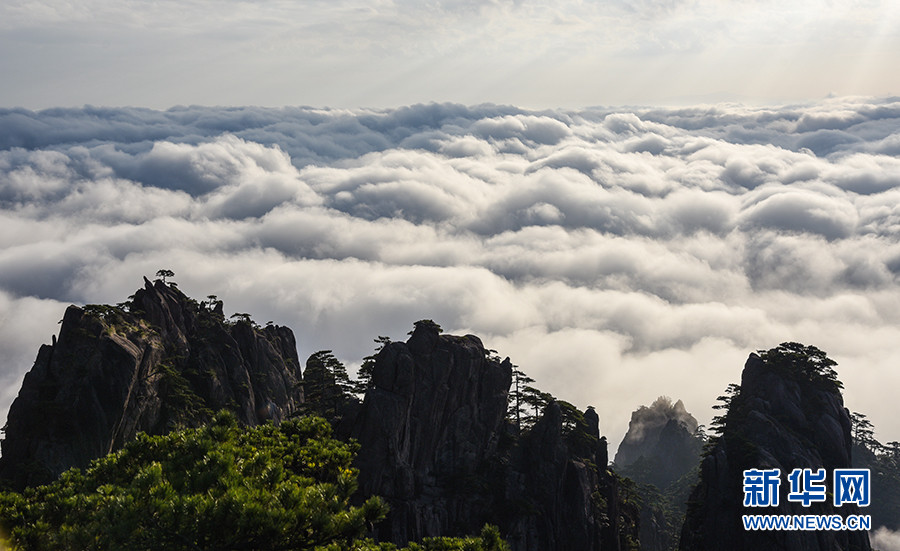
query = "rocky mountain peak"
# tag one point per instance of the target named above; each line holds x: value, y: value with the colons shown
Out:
x: 436, y: 443
x: 648, y: 425
x: 158, y: 361
x: 788, y: 413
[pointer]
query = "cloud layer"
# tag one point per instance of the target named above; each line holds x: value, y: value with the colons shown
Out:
x: 615, y: 256
x: 388, y: 53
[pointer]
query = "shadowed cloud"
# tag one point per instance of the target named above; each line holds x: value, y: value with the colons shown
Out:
x: 614, y: 256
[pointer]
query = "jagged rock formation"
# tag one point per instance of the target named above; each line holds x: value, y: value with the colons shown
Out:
x: 327, y: 393
x: 433, y: 429
x: 788, y: 413
x: 430, y: 422
x: 661, y: 443
x: 563, y: 495
x: 661, y: 452
x: 435, y: 444
x: 159, y: 361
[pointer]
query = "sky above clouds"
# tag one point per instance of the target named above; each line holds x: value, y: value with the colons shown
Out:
x: 390, y: 53
x: 615, y: 255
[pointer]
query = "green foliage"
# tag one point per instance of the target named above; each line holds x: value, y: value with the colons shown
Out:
x: 326, y: 386
x: 526, y: 404
x: 181, y: 405
x: 516, y: 401
x: 801, y: 361
x: 217, y: 487
x: 163, y: 274
x: 285, y: 487
x: 629, y: 504
x: 537, y: 400
x: 210, y: 311
x: 862, y: 431
x: 367, y: 369
x: 571, y: 417
x: 427, y: 323
x: 717, y: 425
x: 104, y: 312
x: 118, y: 319
x: 792, y: 359
x: 244, y: 318
x: 489, y: 540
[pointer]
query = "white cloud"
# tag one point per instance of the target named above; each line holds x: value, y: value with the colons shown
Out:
x: 885, y: 540
x: 615, y: 256
x: 25, y: 324
x: 802, y: 211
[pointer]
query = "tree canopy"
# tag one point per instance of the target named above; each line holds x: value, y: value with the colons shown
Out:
x: 164, y: 273
x: 326, y: 386
x: 217, y: 487
x: 220, y: 487
x: 803, y: 361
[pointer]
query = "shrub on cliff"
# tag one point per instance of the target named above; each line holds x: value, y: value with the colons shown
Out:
x: 801, y: 361
x: 217, y: 487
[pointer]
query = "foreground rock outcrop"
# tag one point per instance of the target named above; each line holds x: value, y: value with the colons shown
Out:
x: 787, y: 413
x: 429, y: 427
x: 435, y: 439
x: 159, y: 361
x: 435, y: 443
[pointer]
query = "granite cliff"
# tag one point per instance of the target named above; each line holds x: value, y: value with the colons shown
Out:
x: 435, y: 440
x: 661, y: 452
x: 787, y: 413
x: 436, y: 444
x: 436, y: 437
x: 156, y: 362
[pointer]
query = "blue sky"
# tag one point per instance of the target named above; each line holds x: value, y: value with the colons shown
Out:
x: 392, y: 53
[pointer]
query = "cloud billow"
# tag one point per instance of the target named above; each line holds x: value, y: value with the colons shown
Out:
x: 615, y: 256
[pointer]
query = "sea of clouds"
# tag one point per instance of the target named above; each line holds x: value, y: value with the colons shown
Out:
x: 615, y: 255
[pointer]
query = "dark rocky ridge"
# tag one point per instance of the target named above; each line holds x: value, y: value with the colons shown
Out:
x: 431, y: 420
x: 436, y: 445
x: 160, y: 361
x: 435, y: 442
x: 781, y: 418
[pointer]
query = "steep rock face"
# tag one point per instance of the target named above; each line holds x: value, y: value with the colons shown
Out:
x: 327, y: 392
x: 430, y: 421
x: 661, y: 449
x: 781, y: 418
x: 436, y: 445
x: 660, y: 443
x: 563, y: 496
x: 159, y: 361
